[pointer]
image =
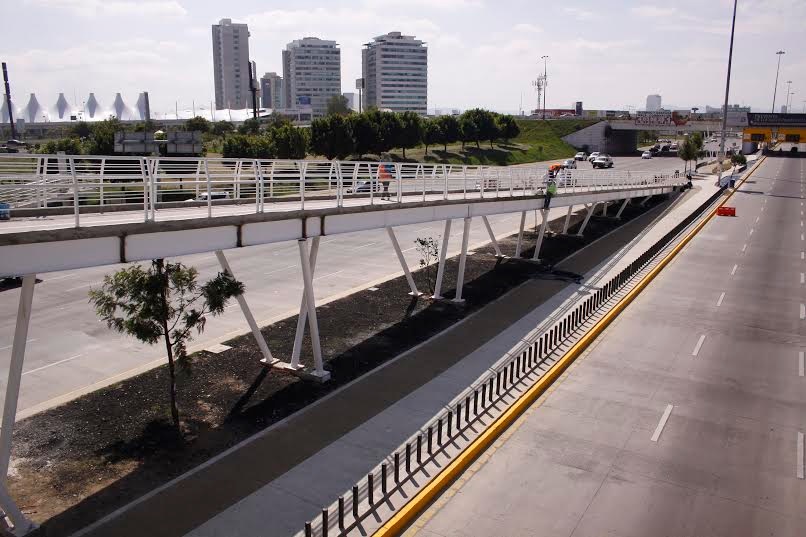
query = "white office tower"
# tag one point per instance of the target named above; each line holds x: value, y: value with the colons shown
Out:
x: 653, y: 103
x: 231, y: 65
x: 271, y: 91
x: 311, y: 74
x: 395, y: 69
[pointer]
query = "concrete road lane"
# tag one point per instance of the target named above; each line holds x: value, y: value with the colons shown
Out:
x: 687, y: 416
x: 69, y: 349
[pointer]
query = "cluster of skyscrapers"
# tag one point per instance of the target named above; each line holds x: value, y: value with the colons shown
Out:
x: 394, y: 73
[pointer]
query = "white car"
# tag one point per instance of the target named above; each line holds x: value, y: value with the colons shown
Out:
x: 673, y: 147
x: 569, y: 164
x: 593, y: 156
x: 603, y: 161
x: 646, y: 154
x: 216, y: 195
x: 581, y: 156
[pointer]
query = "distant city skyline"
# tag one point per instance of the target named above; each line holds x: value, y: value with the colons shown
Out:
x: 481, y: 53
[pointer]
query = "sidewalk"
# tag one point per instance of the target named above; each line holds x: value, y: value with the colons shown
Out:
x: 282, y: 477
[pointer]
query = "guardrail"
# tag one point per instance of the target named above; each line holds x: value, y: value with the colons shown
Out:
x: 97, y: 183
x: 401, y: 470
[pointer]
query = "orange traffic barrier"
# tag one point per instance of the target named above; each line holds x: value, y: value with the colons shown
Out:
x: 726, y: 211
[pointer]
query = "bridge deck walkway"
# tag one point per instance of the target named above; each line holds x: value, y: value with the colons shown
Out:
x: 715, y: 343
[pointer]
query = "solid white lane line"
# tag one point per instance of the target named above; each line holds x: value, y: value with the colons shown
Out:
x: 733, y: 272
x: 662, y: 423
x: 744, y: 248
x: 9, y: 346
x: 802, y: 255
x: 760, y: 217
x: 51, y: 365
x: 799, y: 462
x: 803, y: 311
x: 721, y: 298
x: 801, y: 365
x: 329, y: 275
x: 79, y: 287
x: 279, y: 270
x: 696, y: 350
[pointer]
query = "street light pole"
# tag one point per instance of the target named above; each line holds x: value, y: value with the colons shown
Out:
x: 775, y: 91
x: 545, y: 83
x: 727, y: 95
x: 788, y: 87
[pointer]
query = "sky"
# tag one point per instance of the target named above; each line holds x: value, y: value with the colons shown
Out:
x: 608, y: 54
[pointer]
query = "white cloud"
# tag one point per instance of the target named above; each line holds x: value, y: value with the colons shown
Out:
x: 527, y: 28
x: 578, y: 12
x: 653, y: 11
x: 95, y: 8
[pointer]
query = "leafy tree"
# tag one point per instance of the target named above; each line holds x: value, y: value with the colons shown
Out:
x: 261, y: 147
x: 468, y: 131
x: 737, y: 159
x: 102, y: 138
x: 164, y: 302
x: 375, y: 144
x: 332, y: 137
x: 250, y: 126
x: 411, y: 130
x: 145, y: 126
x: 365, y: 133
x: 221, y: 128
x: 687, y: 152
x: 197, y: 123
x: 451, y: 133
x: 508, y: 127
x: 428, y: 248
x: 248, y: 146
x: 486, y: 128
x: 390, y: 131
x: 432, y: 133
x: 276, y: 119
x: 289, y: 142
x: 698, y: 142
x: 81, y: 129
x: 338, y: 105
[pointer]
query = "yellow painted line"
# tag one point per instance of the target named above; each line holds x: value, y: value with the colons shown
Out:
x: 440, y: 483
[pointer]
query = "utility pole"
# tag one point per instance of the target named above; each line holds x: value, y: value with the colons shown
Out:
x: 8, y: 103
x: 727, y: 95
x: 788, y: 87
x: 253, y: 89
x: 538, y: 85
x: 545, y: 83
x: 775, y: 91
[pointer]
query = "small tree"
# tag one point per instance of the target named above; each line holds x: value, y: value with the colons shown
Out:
x: 390, y: 130
x: 428, y: 248
x: 451, y: 132
x: 197, y: 123
x: 686, y: 152
x: 102, y: 138
x: 250, y: 126
x: 737, y: 159
x: 432, y: 133
x: 332, y: 137
x: 411, y: 130
x: 468, y: 131
x: 289, y: 142
x: 81, y: 129
x: 221, y: 128
x: 365, y: 133
x: 338, y: 105
x: 508, y: 127
x: 162, y: 302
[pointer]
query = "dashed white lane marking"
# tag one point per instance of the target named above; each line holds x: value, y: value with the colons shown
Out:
x: 799, y: 462
x: 802, y: 254
x: 801, y: 365
x: 9, y: 346
x: 735, y: 268
x: 803, y: 311
x: 760, y: 217
x: 721, y: 298
x: 802, y: 278
x: 51, y: 365
x: 662, y: 423
x: 751, y: 231
x: 744, y: 248
x: 698, y: 346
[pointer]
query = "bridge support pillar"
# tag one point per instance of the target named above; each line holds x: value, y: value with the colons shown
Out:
x: 568, y: 219
x: 460, y: 277
x: 21, y: 523
x: 587, y: 219
x: 319, y: 372
x: 520, y: 234
x: 541, y: 234
x: 268, y: 359
x: 621, y: 209
x: 302, y: 318
x: 604, y: 208
x: 646, y: 199
x: 446, y: 236
x: 492, y: 237
x: 391, y: 231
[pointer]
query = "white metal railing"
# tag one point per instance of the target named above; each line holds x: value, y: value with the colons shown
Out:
x: 95, y: 183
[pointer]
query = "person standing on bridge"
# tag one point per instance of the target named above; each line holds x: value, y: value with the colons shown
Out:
x: 385, y: 176
x: 551, y: 189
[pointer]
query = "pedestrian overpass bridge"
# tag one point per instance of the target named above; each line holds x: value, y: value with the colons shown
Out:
x: 70, y: 212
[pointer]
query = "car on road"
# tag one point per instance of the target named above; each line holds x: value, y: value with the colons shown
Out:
x: 569, y: 164
x: 593, y: 156
x: 646, y: 154
x: 364, y: 185
x: 581, y: 156
x: 214, y: 196
x: 673, y: 147
x: 603, y: 161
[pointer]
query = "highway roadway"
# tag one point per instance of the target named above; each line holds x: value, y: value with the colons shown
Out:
x: 686, y: 417
x: 69, y: 350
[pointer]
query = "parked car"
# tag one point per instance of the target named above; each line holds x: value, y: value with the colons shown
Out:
x: 365, y: 185
x: 214, y: 196
x: 593, y: 156
x: 581, y: 156
x: 603, y: 161
x: 673, y: 147
x: 569, y: 164
x: 646, y: 154
x: 5, y: 211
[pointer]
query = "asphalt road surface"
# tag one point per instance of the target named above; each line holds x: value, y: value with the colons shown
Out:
x: 69, y: 349
x: 687, y: 416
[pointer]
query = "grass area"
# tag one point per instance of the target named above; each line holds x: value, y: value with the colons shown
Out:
x: 538, y: 141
